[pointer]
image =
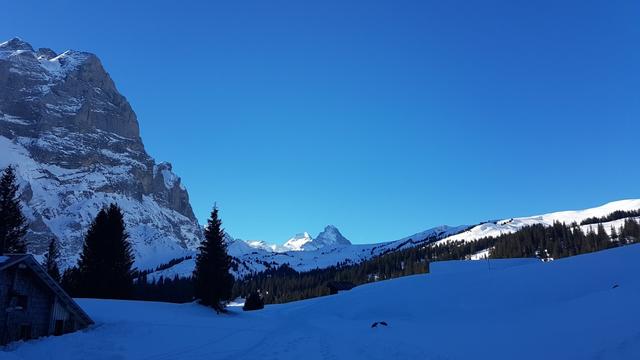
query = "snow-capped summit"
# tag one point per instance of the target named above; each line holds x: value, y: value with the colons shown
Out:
x: 329, y: 237
x: 298, y: 242
x: 16, y: 44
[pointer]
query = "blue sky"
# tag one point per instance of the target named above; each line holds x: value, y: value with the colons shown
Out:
x: 382, y: 118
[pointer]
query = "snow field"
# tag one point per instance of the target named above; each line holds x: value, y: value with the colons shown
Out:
x: 517, y: 309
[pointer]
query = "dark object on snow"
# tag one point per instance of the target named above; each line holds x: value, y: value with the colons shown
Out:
x: 253, y: 302
x: 615, y: 286
x: 382, y: 323
x: 32, y: 304
x: 335, y: 286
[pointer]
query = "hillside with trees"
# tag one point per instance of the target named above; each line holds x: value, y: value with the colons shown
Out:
x: 284, y: 284
x: 558, y: 241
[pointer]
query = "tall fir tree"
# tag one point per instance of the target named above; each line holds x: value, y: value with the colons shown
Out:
x: 13, y: 225
x: 105, y: 265
x: 212, y: 281
x: 51, y: 260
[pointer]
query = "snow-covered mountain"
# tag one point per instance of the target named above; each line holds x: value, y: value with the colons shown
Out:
x: 330, y: 236
x: 331, y: 248
x: 75, y: 142
x: 505, y: 226
x: 299, y: 242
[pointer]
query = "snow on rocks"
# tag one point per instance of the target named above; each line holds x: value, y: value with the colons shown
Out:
x: 77, y: 149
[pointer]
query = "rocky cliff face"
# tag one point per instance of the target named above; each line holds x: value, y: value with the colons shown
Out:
x: 76, y: 144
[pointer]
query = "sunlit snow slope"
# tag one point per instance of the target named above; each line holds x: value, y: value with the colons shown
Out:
x: 505, y: 226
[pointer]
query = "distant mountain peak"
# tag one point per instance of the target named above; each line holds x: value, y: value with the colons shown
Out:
x: 16, y: 44
x: 330, y: 236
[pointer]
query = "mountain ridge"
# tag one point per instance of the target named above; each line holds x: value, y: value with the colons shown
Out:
x: 248, y: 259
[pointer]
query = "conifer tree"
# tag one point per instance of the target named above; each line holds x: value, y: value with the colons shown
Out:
x: 13, y: 225
x: 69, y: 281
x: 51, y: 260
x: 212, y: 281
x: 614, y: 235
x: 105, y: 265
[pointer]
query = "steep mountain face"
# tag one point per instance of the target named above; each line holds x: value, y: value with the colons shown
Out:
x: 76, y: 144
x: 330, y: 236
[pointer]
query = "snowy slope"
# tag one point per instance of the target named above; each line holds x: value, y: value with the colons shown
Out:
x: 566, y: 309
x: 507, y: 226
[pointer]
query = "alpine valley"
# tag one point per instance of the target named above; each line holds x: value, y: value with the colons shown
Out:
x: 76, y: 145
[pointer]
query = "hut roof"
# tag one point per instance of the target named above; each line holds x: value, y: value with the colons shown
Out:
x: 7, y: 261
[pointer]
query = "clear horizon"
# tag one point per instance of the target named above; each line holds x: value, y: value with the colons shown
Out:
x: 381, y: 119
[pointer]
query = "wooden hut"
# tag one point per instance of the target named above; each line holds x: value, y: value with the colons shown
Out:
x: 32, y: 304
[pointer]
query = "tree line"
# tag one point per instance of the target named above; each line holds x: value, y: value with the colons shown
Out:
x: 616, y: 215
x: 105, y: 267
x: 284, y: 284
